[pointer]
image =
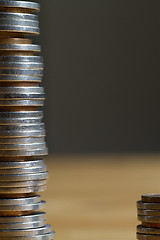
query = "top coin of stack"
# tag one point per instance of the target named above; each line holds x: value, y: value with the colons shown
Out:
x: 149, y: 215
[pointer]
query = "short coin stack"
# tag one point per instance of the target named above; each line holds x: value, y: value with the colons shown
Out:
x: 23, y: 173
x: 149, y: 215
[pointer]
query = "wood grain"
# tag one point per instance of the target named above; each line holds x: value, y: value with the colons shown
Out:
x: 94, y: 197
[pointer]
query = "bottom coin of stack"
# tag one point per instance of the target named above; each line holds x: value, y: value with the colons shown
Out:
x: 149, y: 215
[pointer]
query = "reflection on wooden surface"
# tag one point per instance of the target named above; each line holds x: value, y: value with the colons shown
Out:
x: 94, y: 197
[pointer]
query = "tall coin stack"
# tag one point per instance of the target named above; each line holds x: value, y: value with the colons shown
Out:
x: 149, y: 215
x: 22, y: 133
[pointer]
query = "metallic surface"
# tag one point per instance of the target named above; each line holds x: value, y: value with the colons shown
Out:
x: 23, y: 173
x: 147, y: 237
x: 20, y: 4
x: 151, y: 198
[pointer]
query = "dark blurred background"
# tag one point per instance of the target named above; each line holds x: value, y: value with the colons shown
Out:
x: 101, y: 75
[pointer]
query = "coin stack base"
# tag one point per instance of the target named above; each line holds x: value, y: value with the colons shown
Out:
x: 23, y: 173
x: 149, y: 215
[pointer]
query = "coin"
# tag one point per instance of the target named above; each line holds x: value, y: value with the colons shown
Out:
x: 146, y: 230
x: 25, y: 102
x: 19, y: 201
x: 37, y: 90
x: 23, y: 16
x: 22, y: 146
x: 22, y: 225
x: 23, y: 153
x: 20, y: 4
x: 149, y: 206
x: 30, y: 72
x: 21, y: 96
x: 12, y: 121
x: 147, y: 237
x: 30, y: 65
x: 22, y: 140
x: 46, y: 236
x: 12, y: 134
x: 25, y: 207
x: 23, y: 190
x: 22, y: 114
x: 24, y: 177
x: 20, y: 29
x: 20, y: 78
x: 21, y: 127
x: 151, y: 198
x: 36, y: 169
x: 36, y: 216
x: 12, y: 184
x: 149, y: 212
x: 19, y: 22
x: 153, y: 219
x: 24, y: 164
x: 26, y: 232
x: 36, y: 59
x: 20, y: 47
x: 151, y: 225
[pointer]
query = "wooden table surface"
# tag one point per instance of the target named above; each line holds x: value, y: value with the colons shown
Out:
x: 94, y: 197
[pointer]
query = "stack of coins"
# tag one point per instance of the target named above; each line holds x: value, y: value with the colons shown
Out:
x: 23, y: 173
x: 149, y: 215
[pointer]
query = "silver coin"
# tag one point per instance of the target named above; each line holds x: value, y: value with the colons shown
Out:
x: 26, y: 232
x: 37, y: 169
x: 20, y: 201
x: 22, y: 127
x: 22, y: 146
x: 25, y: 207
x: 34, y: 103
x: 19, y: 22
x: 39, y: 90
x: 21, y: 96
x: 23, y: 190
x: 20, y: 47
x: 147, y: 237
x: 30, y: 72
x: 24, y: 177
x: 24, y: 153
x: 36, y: 216
x: 11, y: 134
x: 22, y: 225
x: 12, y: 121
x: 36, y: 59
x: 150, y: 219
x: 29, y: 65
x: 20, y: 4
x: 20, y: 78
x: 13, y: 184
x: 22, y: 114
x: 29, y: 140
x: 147, y: 230
x: 46, y: 236
x: 24, y: 164
x: 23, y: 16
x: 20, y: 29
